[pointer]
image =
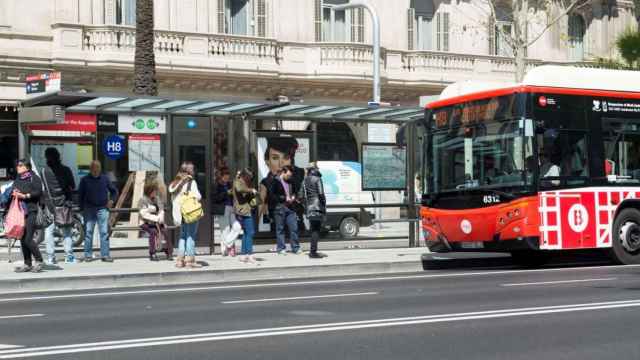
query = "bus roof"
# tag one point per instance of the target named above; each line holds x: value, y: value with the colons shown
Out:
x: 551, y: 79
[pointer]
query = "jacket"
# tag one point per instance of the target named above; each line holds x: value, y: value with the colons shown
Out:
x: 276, y: 195
x: 221, y: 194
x: 59, y: 181
x: 242, y: 196
x: 177, y: 191
x: 95, y: 192
x: 312, y: 195
x: 33, y: 187
x: 151, y: 211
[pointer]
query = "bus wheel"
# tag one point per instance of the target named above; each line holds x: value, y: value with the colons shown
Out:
x: 529, y: 258
x: 626, y: 237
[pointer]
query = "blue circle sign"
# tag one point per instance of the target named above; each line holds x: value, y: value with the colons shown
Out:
x: 113, y: 147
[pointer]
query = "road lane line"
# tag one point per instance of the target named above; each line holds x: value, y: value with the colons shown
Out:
x: 20, y: 316
x: 298, y: 298
x: 309, y: 282
x: 558, y: 282
x: 314, y: 328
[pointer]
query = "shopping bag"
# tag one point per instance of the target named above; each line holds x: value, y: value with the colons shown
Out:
x: 14, y: 221
x: 230, y: 236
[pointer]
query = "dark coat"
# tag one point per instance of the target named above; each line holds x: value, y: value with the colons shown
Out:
x: 60, y: 183
x: 312, y: 195
x: 33, y: 187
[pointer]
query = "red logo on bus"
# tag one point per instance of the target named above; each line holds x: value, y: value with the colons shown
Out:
x: 542, y: 101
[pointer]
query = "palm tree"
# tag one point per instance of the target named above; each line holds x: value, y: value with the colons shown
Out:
x: 145, y: 61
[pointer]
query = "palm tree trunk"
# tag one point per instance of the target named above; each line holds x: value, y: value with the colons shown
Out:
x: 145, y: 61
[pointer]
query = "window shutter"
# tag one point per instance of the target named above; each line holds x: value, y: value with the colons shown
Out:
x: 317, y: 13
x: 439, y: 32
x: 492, y: 35
x: 357, y: 25
x: 262, y: 18
x: 445, y: 32
x: 360, y: 25
x: 411, y: 15
x: 221, y: 17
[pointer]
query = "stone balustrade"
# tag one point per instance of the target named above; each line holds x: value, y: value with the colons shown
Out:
x: 269, y: 57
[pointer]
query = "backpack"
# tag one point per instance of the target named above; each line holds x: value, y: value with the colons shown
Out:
x: 190, y: 208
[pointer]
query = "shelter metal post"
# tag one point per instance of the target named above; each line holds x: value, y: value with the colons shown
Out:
x: 410, y: 135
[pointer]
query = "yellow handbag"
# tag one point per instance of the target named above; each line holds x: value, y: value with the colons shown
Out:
x: 190, y: 208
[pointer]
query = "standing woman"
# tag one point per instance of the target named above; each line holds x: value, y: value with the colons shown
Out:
x: 315, y: 205
x: 183, y: 183
x: 28, y: 188
x: 244, y: 202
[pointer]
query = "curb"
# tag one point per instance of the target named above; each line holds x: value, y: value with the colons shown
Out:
x: 198, y: 277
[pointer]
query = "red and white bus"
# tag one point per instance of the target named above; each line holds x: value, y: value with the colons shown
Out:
x: 549, y: 164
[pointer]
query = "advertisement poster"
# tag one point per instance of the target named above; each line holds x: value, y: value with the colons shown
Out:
x: 144, y: 153
x: 43, y: 83
x: 384, y: 167
x: 276, y: 150
x: 342, y: 182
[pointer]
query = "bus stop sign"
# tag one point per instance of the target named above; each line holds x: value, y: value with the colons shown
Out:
x: 113, y: 147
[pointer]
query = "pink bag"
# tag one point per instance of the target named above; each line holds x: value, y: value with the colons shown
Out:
x: 14, y: 221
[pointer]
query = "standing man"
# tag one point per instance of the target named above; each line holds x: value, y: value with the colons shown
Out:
x: 59, y: 186
x: 284, y: 196
x: 315, y: 204
x: 96, y: 196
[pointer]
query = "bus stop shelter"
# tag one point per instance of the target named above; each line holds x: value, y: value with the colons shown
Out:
x: 188, y: 130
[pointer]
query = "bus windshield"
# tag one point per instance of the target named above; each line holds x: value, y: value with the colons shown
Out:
x: 480, y: 145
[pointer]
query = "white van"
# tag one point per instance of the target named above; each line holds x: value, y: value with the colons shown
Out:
x: 343, y: 186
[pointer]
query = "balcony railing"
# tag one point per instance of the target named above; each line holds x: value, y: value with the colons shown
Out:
x: 263, y: 56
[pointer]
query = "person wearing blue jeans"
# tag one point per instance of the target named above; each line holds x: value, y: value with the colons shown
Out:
x: 244, y: 203
x: 96, y: 196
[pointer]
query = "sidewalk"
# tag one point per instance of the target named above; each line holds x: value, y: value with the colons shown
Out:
x: 142, y: 272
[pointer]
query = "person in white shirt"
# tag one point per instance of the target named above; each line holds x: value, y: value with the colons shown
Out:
x: 548, y: 168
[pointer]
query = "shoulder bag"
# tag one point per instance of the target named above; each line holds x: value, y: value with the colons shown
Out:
x: 62, y: 215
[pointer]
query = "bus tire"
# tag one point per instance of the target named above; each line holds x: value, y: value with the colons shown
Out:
x: 530, y: 258
x: 626, y: 237
x: 349, y: 227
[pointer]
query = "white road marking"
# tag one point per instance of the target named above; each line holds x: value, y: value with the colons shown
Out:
x: 20, y: 316
x: 308, y: 282
x: 305, y: 329
x: 558, y: 282
x: 298, y: 298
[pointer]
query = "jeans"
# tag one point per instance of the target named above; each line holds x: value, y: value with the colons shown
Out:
x: 50, y: 242
x: 101, y: 217
x: 248, y: 232
x: 28, y: 243
x: 187, y: 243
x: 284, y: 216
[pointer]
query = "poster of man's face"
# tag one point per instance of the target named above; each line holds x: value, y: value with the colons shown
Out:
x: 278, y: 151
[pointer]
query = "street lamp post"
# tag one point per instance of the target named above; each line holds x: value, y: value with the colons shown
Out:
x: 376, y: 42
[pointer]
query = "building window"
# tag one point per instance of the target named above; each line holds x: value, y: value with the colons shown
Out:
x: 500, y: 30
x: 126, y: 12
x: 242, y: 17
x: 577, y: 31
x: 338, y: 25
x: 442, y: 31
x: 420, y: 21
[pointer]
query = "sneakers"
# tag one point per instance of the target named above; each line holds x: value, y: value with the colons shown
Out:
x: 23, y: 269
x: 298, y: 252
x: 317, y: 255
x: 70, y: 260
x: 108, y: 259
x: 282, y: 252
x: 51, y: 261
x: 37, y: 267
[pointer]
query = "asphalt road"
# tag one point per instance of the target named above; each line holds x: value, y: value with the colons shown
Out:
x: 588, y: 312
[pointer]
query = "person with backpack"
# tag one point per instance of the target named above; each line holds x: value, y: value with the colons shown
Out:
x: 186, y: 212
x: 27, y: 188
x: 314, y: 201
x: 59, y: 186
x: 244, y: 202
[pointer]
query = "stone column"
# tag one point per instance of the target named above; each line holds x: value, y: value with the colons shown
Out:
x: 97, y: 8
